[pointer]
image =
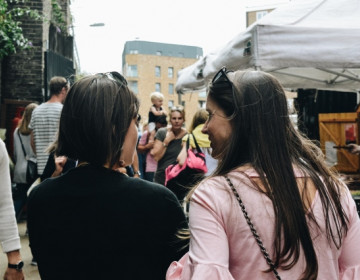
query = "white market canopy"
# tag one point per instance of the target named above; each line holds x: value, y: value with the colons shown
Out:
x: 305, y: 44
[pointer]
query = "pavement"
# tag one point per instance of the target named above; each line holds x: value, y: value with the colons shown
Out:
x: 31, y: 272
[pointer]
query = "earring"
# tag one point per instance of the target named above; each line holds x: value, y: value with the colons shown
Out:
x: 121, y: 163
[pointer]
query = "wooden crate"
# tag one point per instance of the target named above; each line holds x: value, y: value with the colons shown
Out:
x: 340, y: 129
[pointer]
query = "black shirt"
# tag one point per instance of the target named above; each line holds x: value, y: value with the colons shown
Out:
x: 50, y: 166
x: 95, y: 223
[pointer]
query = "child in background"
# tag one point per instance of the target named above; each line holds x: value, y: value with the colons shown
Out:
x: 155, y: 111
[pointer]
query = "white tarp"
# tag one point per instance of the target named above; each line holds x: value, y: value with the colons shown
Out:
x: 305, y: 44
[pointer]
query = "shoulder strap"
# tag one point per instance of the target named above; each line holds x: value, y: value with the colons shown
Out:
x: 253, y: 230
x: 196, y: 144
x: 22, y: 145
x: 188, y: 143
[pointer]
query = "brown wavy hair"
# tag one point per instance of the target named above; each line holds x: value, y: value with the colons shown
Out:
x: 264, y: 137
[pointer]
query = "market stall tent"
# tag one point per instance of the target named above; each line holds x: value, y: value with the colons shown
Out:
x: 305, y: 44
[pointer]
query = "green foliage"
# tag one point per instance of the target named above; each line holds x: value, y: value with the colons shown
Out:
x: 11, y: 34
x: 58, y: 16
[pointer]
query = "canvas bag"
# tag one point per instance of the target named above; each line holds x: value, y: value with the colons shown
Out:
x: 178, y: 178
x: 31, y: 169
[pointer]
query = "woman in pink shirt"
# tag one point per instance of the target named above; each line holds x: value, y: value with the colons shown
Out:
x: 274, y: 180
x: 146, y: 144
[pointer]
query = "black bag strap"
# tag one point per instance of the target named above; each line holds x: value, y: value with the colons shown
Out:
x: 253, y: 230
x: 196, y: 143
x: 22, y: 145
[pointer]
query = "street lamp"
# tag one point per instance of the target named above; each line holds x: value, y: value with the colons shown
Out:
x: 97, y: 24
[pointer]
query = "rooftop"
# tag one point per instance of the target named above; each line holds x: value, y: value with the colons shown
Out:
x: 161, y: 49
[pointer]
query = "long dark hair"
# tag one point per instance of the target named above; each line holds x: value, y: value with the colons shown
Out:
x: 264, y: 137
x: 96, y: 115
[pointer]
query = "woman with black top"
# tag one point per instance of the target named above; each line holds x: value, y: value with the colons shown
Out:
x: 94, y: 222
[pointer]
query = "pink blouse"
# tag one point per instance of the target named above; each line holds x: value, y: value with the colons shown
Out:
x: 223, y: 247
x: 151, y: 163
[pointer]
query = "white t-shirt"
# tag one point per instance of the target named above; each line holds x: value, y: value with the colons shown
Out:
x: 9, y: 235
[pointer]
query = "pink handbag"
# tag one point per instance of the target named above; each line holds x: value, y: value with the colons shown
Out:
x: 178, y: 178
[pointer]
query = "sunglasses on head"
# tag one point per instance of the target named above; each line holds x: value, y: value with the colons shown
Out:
x: 221, y: 79
x: 177, y: 108
x: 116, y: 77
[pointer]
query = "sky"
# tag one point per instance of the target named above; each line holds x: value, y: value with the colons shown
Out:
x: 208, y: 24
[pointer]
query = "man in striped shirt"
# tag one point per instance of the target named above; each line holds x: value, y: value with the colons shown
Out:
x: 45, y: 120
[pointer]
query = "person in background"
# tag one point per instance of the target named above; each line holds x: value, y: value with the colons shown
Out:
x: 22, y: 140
x: 202, y: 139
x: 167, y: 143
x: 45, y: 120
x: 141, y: 156
x: 9, y: 235
x: 145, y: 146
x: 94, y: 222
x: 272, y: 209
x: 156, y: 110
x: 56, y: 165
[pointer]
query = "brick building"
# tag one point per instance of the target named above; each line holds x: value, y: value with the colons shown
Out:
x: 256, y: 9
x: 25, y: 75
x: 151, y: 66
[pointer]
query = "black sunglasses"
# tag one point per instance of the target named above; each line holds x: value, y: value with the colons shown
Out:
x: 116, y: 77
x: 221, y: 78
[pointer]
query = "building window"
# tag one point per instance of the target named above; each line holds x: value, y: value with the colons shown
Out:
x: 202, y: 104
x: 170, y: 72
x: 202, y: 94
x: 134, y: 51
x: 157, y: 71
x: 171, y: 88
x: 134, y: 86
x: 158, y: 87
x: 261, y: 14
x: 158, y: 53
x: 132, y: 71
x: 170, y: 104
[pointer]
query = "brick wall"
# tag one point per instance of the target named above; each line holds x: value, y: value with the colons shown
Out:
x: 22, y: 72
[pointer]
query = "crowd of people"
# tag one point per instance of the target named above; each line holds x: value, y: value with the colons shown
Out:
x: 268, y: 207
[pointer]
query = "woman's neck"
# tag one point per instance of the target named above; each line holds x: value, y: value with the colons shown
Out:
x: 177, y: 131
